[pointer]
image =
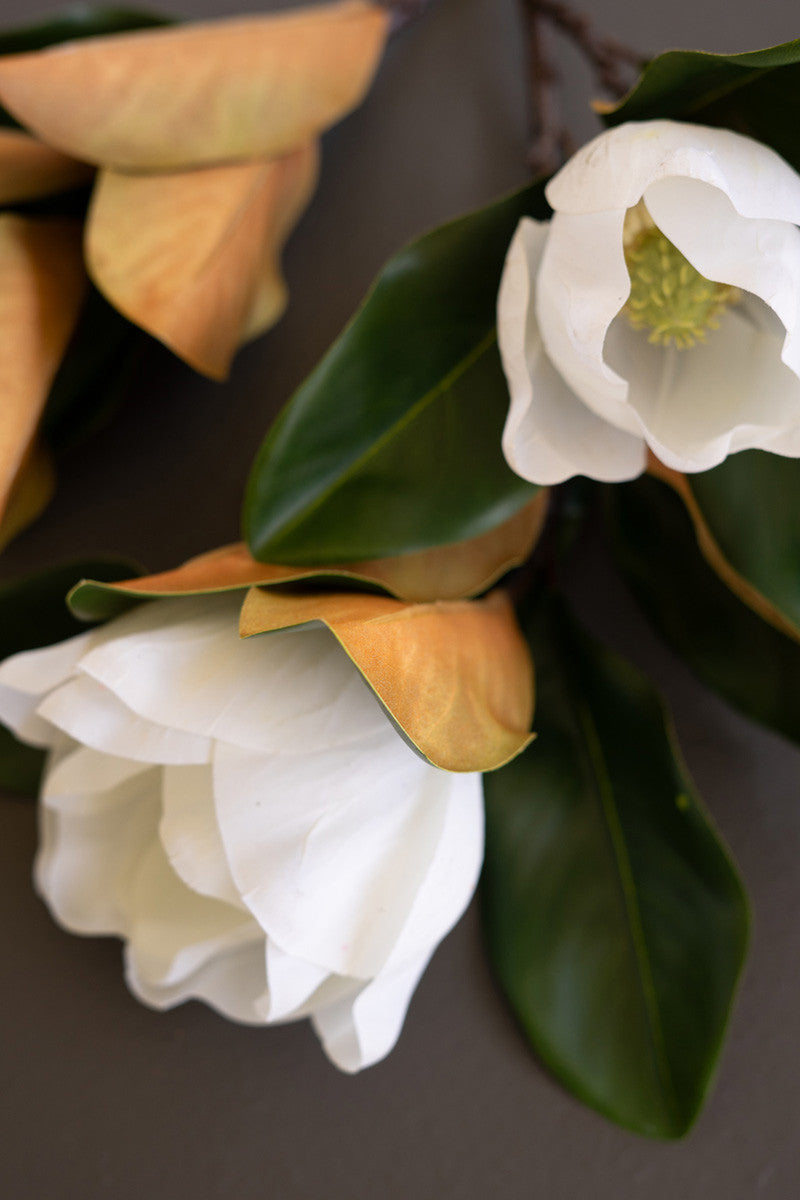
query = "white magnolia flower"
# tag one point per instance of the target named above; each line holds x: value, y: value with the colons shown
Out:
x: 660, y: 307
x: 244, y: 814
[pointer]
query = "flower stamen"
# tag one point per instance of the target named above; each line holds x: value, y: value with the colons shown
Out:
x: 668, y: 296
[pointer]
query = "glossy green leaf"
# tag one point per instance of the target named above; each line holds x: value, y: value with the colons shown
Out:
x: 33, y: 613
x: 738, y: 654
x: 754, y: 93
x: 615, y: 919
x: 751, y: 504
x: 392, y: 445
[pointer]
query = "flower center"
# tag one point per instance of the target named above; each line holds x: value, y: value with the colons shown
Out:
x: 668, y: 296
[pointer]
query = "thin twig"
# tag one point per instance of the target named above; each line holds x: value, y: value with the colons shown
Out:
x: 605, y: 54
x: 550, y: 143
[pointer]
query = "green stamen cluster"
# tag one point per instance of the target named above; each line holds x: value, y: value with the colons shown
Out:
x: 668, y: 296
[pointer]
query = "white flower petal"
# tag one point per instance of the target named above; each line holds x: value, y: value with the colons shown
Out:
x: 26, y: 677
x: 582, y: 284
x: 291, y: 983
x: 233, y: 983
x: 760, y: 256
x: 86, y: 780
x: 330, y: 869
x: 173, y: 930
x: 190, y: 834
x: 550, y: 435
x: 357, y: 1032
x: 614, y: 169
x: 91, y: 714
x: 746, y: 393
x: 194, y: 673
x: 87, y: 861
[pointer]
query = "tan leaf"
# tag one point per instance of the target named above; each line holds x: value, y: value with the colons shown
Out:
x: 32, y: 491
x: 193, y: 258
x: 42, y: 285
x: 193, y: 95
x: 447, y: 573
x: 456, y: 676
x: 29, y: 169
x: 713, y: 555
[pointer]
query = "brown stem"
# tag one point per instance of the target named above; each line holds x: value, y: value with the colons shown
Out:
x: 551, y: 141
x: 605, y: 54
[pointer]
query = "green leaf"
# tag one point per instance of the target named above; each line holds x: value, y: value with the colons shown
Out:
x: 33, y: 613
x: 615, y: 919
x: 751, y: 505
x: 392, y: 445
x: 733, y: 650
x: 754, y: 93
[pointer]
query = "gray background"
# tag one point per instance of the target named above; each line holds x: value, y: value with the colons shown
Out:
x: 103, y: 1098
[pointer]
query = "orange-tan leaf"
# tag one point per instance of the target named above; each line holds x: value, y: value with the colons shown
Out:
x: 42, y: 286
x: 32, y: 491
x: 456, y: 676
x: 29, y: 169
x: 713, y: 555
x: 194, y: 95
x: 193, y: 257
x: 448, y: 573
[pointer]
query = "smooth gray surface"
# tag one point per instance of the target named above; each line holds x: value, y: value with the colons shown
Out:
x: 103, y: 1098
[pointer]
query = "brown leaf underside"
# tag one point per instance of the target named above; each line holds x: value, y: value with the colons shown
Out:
x: 456, y: 676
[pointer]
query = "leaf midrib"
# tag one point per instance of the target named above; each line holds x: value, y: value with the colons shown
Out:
x: 644, y: 973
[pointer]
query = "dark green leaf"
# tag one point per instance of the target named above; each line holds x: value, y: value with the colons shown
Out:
x: 754, y: 93
x: 734, y: 651
x: 615, y: 920
x: 33, y: 613
x: 392, y: 444
x: 751, y: 504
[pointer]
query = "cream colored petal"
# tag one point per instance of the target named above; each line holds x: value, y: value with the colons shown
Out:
x: 614, y: 169
x: 31, y: 493
x: 29, y: 169
x: 42, y: 286
x: 193, y: 258
x: 550, y: 434
x: 192, y: 95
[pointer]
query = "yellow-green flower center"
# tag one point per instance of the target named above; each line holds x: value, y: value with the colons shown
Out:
x: 668, y: 296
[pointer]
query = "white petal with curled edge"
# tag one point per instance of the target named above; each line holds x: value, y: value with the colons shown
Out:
x: 357, y: 1032
x: 581, y: 286
x: 190, y: 834
x: 614, y: 169
x: 87, y: 863
x: 550, y: 434
x: 330, y: 869
x: 761, y: 256
x: 85, y: 781
x: 748, y: 393
x: 91, y: 714
x: 180, y: 663
x: 291, y: 981
x: 26, y: 677
x: 173, y: 930
x: 234, y: 983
